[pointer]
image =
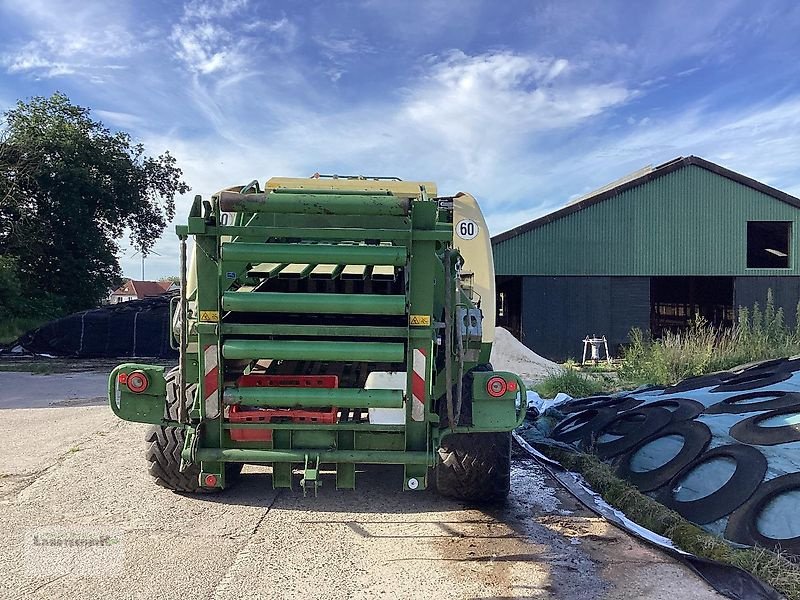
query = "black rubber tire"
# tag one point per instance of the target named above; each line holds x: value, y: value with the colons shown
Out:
x: 751, y: 466
x: 695, y: 383
x: 655, y: 419
x: 581, y: 426
x: 681, y: 409
x: 752, y: 379
x: 474, y: 467
x: 617, y: 403
x: 164, y: 446
x: 648, y: 389
x: 763, y: 365
x: 772, y: 401
x: 748, y: 430
x: 742, y: 526
x: 696, y: 437
x: 790, y: 365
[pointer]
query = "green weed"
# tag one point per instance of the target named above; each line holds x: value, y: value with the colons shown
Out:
x: 701, y: 348
x: 577, y: 385
x: 12, y: 328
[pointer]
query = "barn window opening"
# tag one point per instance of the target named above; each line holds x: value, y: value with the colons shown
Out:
x: 675, y: 302
x: 768, y: 244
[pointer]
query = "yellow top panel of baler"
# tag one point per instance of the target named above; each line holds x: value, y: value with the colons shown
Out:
x: 407, y: 189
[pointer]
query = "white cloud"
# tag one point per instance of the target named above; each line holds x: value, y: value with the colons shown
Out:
x: 485, y: 105
x: 464, y: 121
x: 523, y: 132
x: 84, y: 42
x: 206, y: 10
x: 119, y: 119
x: 206, y: 48
x: 220, y: 38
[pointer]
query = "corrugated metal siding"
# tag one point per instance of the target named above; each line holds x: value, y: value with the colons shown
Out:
x: 689, y: 222
x: 786, y: 292
x: 558, y: 312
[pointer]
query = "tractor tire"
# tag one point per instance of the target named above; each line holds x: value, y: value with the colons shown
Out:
x: 475, y: 467
x: 164, y: 446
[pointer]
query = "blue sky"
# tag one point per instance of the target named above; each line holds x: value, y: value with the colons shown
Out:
x: 524, y: 104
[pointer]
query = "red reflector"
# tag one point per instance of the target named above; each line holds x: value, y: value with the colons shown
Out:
x: 137, y: 382
x: 512, y: 386
x: 123, y: 378
x: 210, y: 480
x: 496, y: 386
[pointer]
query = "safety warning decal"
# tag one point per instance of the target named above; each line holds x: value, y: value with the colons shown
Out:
x: 419, y: 320
x: 209, y: 315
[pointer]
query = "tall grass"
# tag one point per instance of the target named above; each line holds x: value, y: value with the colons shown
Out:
x: 12, y: 328
x: 577, y: 385
x: 702, y: 348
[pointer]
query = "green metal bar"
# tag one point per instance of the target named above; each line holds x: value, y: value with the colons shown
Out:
x: 288, y: 302
x: 351, y: 234
x: 329, y: 192
x: 308, y: 233
x: 422, y: 271
x: 313, y: 350
x: 375, y: 457
x: 338, y: 254
x: 284, y: 397
x: 282, y: 472
x: 315, y: 204
x: 345, y: 472
x: 314, y: 330
x: 346, y: 426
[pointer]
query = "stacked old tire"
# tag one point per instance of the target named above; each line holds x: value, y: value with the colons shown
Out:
x: 725, y: 416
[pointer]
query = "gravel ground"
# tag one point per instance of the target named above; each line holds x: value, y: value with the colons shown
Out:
x: 81, y: 519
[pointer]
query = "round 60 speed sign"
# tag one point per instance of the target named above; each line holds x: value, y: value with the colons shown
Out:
x: 467, y: 229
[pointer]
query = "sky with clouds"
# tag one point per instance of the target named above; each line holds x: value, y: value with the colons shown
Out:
x: 525, y: 104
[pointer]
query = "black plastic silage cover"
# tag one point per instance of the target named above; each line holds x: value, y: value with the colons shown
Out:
x: 139, y: 328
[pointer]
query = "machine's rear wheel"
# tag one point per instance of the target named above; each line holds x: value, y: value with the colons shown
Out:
x: 475, y: 467
x: 164, y: 446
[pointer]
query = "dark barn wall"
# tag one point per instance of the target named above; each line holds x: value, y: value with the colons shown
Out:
x: 786, y: 290
x: 558, y: 312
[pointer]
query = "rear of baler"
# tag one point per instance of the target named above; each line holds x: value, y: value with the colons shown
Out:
x: 336, y: 322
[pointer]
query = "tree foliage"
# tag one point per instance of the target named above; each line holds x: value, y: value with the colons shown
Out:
x: 70, y: 188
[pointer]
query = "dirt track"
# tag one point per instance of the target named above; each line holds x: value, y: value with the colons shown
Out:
x: 113, y: 534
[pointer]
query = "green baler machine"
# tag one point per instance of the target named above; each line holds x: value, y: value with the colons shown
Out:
x: 330, y: 321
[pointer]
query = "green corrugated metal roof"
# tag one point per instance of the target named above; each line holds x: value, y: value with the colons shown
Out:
x: 686, y: 217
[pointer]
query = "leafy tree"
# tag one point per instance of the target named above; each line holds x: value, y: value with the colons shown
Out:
x: 69, y: 190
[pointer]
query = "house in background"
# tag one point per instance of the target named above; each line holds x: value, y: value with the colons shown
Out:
x: 653, y: 251
x: 139, y: 290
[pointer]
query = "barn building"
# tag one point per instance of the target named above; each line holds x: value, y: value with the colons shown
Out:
x: 649, y: 251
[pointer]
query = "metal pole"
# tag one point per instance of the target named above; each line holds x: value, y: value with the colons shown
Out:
x: 184, y: 332
x: 313, y: 350
x: 324, y: 303
x: 287, y: 397
x: 325, y: 456
x: 448, y: 338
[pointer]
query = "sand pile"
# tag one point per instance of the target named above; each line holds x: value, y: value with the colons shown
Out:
x: 509, y: 354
